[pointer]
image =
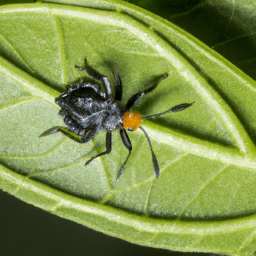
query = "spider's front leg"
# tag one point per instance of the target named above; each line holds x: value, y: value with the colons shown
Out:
x: 96, y: 75
x: 136, y: 97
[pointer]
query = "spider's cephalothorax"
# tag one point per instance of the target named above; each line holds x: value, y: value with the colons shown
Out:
x: 86, y: 110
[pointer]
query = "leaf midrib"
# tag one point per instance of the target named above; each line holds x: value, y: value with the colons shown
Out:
x: 218, y: 105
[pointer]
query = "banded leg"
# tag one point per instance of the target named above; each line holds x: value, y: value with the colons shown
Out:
x: 118, y: 83
x: 136, y: 97
x: 108, y: 147
x: 98, y: 76
x: 154, y: 160
x: 176, y: 108
x: 126, y: 141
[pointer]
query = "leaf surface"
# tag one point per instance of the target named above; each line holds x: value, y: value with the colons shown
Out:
x: 227, y: 26
x: 204, y: 199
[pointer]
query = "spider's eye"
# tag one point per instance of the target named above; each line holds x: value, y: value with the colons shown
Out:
x: 129, y: 129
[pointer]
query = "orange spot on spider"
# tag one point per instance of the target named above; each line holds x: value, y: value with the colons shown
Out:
x: 132, y: 120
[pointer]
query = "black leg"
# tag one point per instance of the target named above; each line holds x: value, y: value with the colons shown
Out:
x: 97, y: 76
x: 128, y: 145
x: 154, y: 160
x: 136, y: 97
x: 108, y: 147
x: 118, y: 83
x: 88, y: 134
x: 176, y: 108
x: 63, y: 130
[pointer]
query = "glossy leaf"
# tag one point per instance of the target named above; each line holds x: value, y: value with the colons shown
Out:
x: 204, y: 199
x: 227, y: 26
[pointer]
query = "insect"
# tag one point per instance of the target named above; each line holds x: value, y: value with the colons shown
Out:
x: 87, y: 110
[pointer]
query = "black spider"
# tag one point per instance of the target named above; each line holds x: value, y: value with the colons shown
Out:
x: 86, y: 110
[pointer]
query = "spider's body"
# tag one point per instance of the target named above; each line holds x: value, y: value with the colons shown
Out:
x: 86, y: 110
x: 83, y: 108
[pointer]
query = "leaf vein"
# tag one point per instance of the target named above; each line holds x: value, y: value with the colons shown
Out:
x: 202, y: 189
x: 104, y: 171
x: 247, y: 240
x: 148, y: 198
x: 62, y: 52
x: 32, y: 85
x: 187, y: 12
x: 134, y: 52
x: 231, y: 40
x: 165, y: 168
x: 200, y: 147
x: 8, y: 42
x: 55, y: 147
x: 16, y: 103
x: 78, y: 160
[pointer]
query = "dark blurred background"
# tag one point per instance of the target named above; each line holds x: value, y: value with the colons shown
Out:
x: 27, y: 230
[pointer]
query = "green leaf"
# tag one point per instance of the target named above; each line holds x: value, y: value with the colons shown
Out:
x: 227, y: 26
x: 204, y: 199
x: 15, y: 1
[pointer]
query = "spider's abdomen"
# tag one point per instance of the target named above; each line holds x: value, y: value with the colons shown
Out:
x: 85, y: 106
